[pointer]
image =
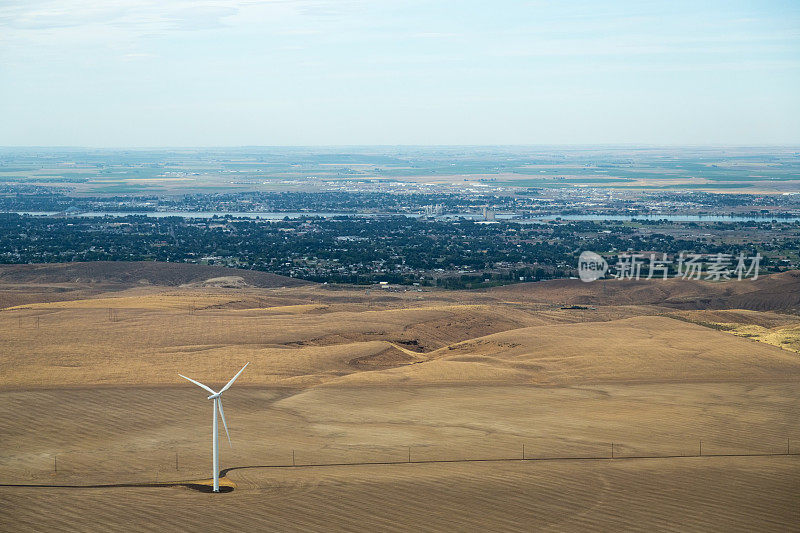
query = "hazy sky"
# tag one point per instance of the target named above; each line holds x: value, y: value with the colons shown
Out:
x: 289, y: 72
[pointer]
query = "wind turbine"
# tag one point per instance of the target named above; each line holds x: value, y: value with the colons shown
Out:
x: 217, y: 397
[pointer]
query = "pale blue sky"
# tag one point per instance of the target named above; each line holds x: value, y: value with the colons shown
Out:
x: 305, y: 72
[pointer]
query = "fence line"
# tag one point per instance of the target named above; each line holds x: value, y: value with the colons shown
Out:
x: 192, y: 461
x: 511, y: 459
x: 198, y: 485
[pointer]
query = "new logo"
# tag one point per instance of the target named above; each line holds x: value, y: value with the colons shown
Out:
x: 591, y: 266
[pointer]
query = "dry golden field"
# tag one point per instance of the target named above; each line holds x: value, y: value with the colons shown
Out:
x: 343, y: 375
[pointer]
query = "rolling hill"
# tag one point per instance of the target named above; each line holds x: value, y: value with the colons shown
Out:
x: 132, y: 273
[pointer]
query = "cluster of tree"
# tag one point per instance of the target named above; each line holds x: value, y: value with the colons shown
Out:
x: 454, y: 254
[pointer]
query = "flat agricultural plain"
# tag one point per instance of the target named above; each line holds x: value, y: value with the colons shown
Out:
x: 555, y: 406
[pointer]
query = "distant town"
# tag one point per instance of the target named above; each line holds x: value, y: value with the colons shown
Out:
x: 467, y: 219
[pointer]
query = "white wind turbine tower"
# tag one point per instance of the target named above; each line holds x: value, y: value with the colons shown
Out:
x: 216, y: 396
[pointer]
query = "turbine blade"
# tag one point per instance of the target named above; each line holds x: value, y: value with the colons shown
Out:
x: 228, y: 386
x: 198, y: 384
x: 224, y: 424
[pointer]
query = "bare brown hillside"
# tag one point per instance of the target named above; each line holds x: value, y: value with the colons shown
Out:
x: 774, y: 292
x: 89, y: 363
x: 137, y: 273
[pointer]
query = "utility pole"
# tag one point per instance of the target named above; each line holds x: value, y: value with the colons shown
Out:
x: 701, y: 448
x: 612, y: 450
x: 523, y: 451
x: 55, y: 464
x: 293, y: 463
x: 409, y: 454
x: 176, y: 460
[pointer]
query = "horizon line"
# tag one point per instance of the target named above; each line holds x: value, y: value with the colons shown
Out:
x: 531, y: 145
